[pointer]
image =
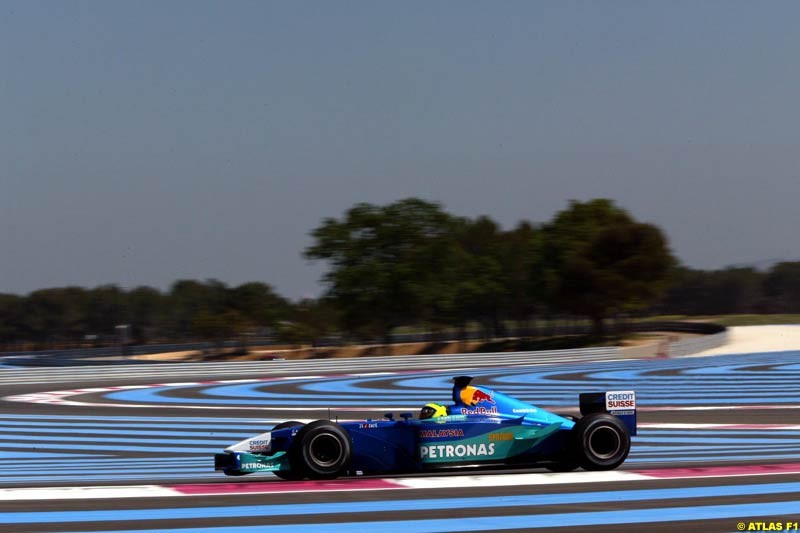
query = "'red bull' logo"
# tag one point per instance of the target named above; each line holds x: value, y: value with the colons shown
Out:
x: 479, y: 396
x: 479, y: 411
x: 472, y: 396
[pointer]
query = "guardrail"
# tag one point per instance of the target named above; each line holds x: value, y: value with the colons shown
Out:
x: 701, y: 328
x: 714, y: 335
x: 697, y: 344
x: 544, y: 330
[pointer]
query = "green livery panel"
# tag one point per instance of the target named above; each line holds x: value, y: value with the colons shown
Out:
x: 247, y: 463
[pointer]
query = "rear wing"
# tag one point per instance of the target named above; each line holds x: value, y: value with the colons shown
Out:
x: 621, y: 404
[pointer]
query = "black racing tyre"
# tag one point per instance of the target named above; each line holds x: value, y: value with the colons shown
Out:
x: 600, y: 442
x: 322, y: 449
x: 295, y: 474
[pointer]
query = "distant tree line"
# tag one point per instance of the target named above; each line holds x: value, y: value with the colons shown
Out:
x: 732, y: 291
x: 190, y: 310
x: 410, y: 263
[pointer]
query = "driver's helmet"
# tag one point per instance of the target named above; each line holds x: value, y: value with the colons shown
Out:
x: 432, y: 410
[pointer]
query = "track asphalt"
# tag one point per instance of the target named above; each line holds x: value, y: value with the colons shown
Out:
x: 129, y: 449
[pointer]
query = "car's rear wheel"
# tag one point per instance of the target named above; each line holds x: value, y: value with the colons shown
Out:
x: 600, y: 442
x: 322, y: 449
x: 294, y: 474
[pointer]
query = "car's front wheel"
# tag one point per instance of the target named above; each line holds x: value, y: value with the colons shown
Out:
x: 322, y: 449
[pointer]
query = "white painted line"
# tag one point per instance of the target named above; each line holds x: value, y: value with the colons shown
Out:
x: 717, y: 407
x: 260, y: 485
x: 656, y: 425
x: 510, y: 480
x: 86, y: 493
x: 157, y: 491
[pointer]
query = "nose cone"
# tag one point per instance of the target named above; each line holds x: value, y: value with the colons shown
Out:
x: 258, y: 444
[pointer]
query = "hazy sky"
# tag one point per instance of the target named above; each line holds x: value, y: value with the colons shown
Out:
x: 143, y: 142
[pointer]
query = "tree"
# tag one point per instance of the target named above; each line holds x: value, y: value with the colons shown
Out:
x: 258, y: 304
x: 148, y: 312
x: 190, y: 298
x: 218, y: 327
x: 384, y: 262
x: 476, y: 278
x: 698, y: 292
x: 309, y: 321
x: 56, y: 314
x: 520, y: 258
x: 782, y: 287
x: 11, y: 318
x: 106, y: 308
x: 600, y: 261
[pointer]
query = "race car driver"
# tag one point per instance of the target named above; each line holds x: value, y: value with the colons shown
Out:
x: 432, y: 410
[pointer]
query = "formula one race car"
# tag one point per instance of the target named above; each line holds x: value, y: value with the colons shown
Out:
x: 482, y: 428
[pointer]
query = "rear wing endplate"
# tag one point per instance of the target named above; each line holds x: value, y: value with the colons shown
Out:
x: 621, y: 404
